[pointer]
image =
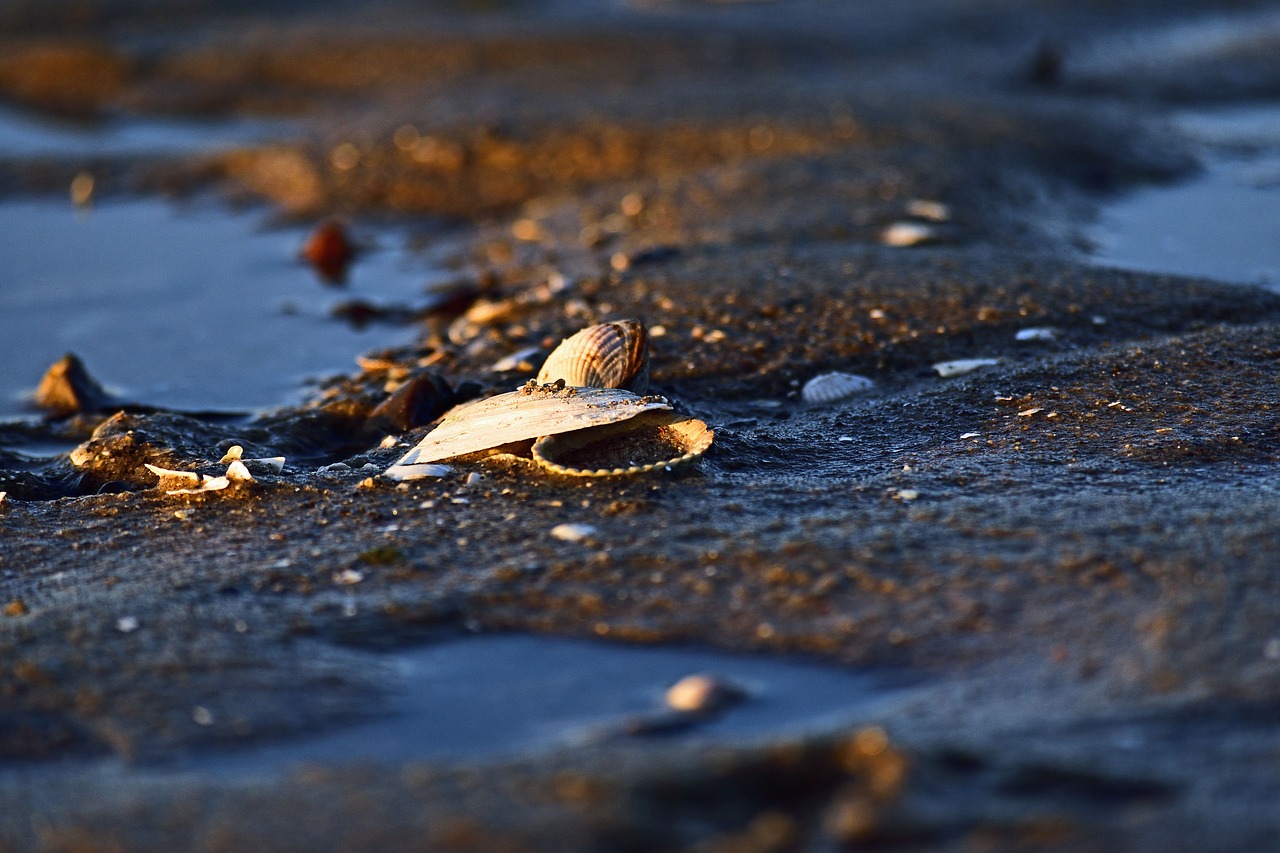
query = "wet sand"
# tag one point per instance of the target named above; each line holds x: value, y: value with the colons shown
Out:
x: 1071, y: 553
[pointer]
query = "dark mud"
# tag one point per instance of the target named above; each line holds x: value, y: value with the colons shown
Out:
x: 1072, y: 552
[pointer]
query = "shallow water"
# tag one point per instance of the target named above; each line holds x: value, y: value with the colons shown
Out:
x: 194, y: 307
x: 25, y: 134
x: 1224, y: 223
x: 502, y: 695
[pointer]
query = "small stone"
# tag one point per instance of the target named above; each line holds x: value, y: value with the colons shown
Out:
x: 127, y: 624
x: 905, y: 234
x: 348, y: 577
x: 572, y: 532
x: 17, y: 607
x: 202, y: 716
x: 934, y: 211
x: 702, y: 694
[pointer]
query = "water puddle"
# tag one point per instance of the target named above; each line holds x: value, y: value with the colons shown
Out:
x: 502, y: 695
x: 194, y: 307
x: 1222, y: 224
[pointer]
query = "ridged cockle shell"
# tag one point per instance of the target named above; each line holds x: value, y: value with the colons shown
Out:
x: 834, y: 387
x: 610, y: 355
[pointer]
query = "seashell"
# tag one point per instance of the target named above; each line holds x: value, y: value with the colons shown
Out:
x: 573, y: 532
x: 1036, y: 333
x: 834, y: 387
x: 610, y: 355
x: 961, y: 366
x: 533, y: 411
x: 906, y: 234
x: 654, y: 441
x: 934, y: 211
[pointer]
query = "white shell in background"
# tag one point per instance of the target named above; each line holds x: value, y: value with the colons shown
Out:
x: 610, y: 355
x: 961, y: 366
x: 834, y: 387
x: 934, y: 211
x: 906, y: 234
x: 1039, y: 333
x: 654, y: 441
x: 528, y: 413
x: 702, y: 694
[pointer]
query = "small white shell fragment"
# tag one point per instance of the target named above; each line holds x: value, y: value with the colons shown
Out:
x: 1026, y: 413
x: 518, y: 360
x: 237, y: 471
x: 233, y: 453
x: 971, y: 435
x: 702, y: 694
x: 531, y: 412
x: 272, y: 463
x: 1037, y: 333
x: 961, y: 366
x: 572, y: 532
x: 833, y: 387
x: 409, y: 473
x: 473, y: 478
x: 907, y: 494
x: 170, y: 479
x: 934, y: 211
x: 127, y: 624
x: 348, y: 577
x: 905, y: 234
x: 388, y: 442
x: 2, y: 496
x: 202, y: 716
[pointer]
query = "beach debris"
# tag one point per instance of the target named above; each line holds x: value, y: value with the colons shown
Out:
x: 610, y: 355
x: 190, y: 483
x: 829, y: 388
x: 409, y: 473
x: 573, y: 532
x: 961, y: 366
x: 67, y: 388
x: 473, y: 479
x: 16, y: 607
x: 3, y: 495
x: 1037, y: 333
x: 418, y: 401
x: 652, y: 441
x: 329, y: 250
x: 235, y: 453
x: 528, y: 413
x: 906, y: 234
x: 934, y: 211
x: 127, y: 624
x: 702, y: 693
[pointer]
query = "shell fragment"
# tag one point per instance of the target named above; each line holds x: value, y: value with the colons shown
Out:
x: 959, y: 367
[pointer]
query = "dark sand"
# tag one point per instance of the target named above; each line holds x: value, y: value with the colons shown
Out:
x: 1087, y: 589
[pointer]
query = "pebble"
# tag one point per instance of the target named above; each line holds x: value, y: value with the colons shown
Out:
x: 904, y: 234
x: 127, y: 624
x: 702, y: 693
x: 348, y: 577
x: 202, y: 716
x: 572, y: 532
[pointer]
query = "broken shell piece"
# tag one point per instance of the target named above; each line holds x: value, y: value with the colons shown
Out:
x: 408, y: 473
x: 959, y: 367
x: 654, y: 441
x: 703, y: 694
x: 237, y: 471
x: 274, y: 464
x: 1039, y: 333
x: 533, y: 411
x: 233, y: 453
x: 170, y: 479
x: 610, y: 355
x: 834, y: 387
x: 905, y: 234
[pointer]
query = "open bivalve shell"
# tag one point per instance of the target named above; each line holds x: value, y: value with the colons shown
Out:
x: 610, y: 355
x: 532, y: 411
x: 653, y: 441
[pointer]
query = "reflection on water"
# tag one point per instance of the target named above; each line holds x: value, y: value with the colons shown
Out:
x: 25, y: 134
x: 194, y: 308
x: 1223, y: 223
x: 497, y: 695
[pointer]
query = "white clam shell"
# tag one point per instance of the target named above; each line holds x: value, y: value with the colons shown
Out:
x: 834, y: 387
x: 961, y: 366
x: 528, y: 413
x: 653, y: 441
x: 610, y: 355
